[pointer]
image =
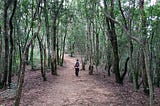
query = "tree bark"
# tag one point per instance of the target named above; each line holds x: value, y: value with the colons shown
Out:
x: 64, y: 43
x: 22, y: 72
x: 151, y: 89
x: 54, y: 59
x: 54, y: 36
x: 45, y: 58
x: 41, y: 57
x: 145, y: 54
x: 144, y: 75
x: 6, y: 41
x: 11, y: 43
x: 31, y: 56
x: 157, y: 80
x: 113, y: 38
x: 125, y: 69
x: 47, y: 33
x: 24, y: 54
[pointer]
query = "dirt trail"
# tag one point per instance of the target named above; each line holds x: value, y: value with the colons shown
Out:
x: 68, y: 90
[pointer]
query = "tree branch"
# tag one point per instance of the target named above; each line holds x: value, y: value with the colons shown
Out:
x: 122, y: 26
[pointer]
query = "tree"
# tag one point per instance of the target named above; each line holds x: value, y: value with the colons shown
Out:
x: 6, y: 39
x: 11, y: 42
x: 24, y: 55
x: 55, y: 13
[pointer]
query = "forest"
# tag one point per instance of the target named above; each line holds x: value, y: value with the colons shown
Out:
x: 117, y: 38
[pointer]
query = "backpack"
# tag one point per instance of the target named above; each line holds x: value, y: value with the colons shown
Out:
x: 77, y: 64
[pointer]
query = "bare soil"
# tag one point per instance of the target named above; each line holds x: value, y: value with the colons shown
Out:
x: 66, y: 89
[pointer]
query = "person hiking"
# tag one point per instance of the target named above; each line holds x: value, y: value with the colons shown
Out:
x: 76, y: 66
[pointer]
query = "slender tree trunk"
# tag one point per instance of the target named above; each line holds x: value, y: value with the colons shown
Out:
x: 20, y: 63
x: 41, y: 57
x: 22, y: 72
x: 32, y: 45
x: 145, y: 53
x: 109, y: 58
x: 57, y: 51
x: 54, y: 60
x: 97, y: 49
x: 54, y: 38
x: 151, y: 57
x: 64, y: 41
x: 83, y: 63
x: 144, y: 75
x: 21, y: 80
x: 113, y: 39
x: 136, y: 73
x: 31, y: 56
x: 45, y: 58
x: 40, y: 43
x: 6, y: 41
x: 91, y: 48
x: 151, y: 89
x: 11, y: 43
x: 116, y: 57
x: 47, y: 33
x: 157, y: 80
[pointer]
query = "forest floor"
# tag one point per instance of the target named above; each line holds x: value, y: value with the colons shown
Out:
x: 66, y: 89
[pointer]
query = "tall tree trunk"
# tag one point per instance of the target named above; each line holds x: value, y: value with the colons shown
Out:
x: 157, y: 80
x: 144, y: 75
x: 11, y: 43
x: 32, y: 45
x: 64, y: 41
x: 47, y: 33
x: 22, y: 71
x: 109, y: 58
x: 151, y: 89
x: 41, y: 57
x: 45, y: 58
x: 128, y: 27
x: 91, y: 48
x: 31, y: 56
x: 57, y: 51
x: 54, y: 60
x: 6, y: 40
x: 20, y: 62
x: 136, y: 73
x: 54, y: 38
x: 113, y: 39
x: 40, y: 43
x: 20, y: 84
x: 151, y: 57
x: 145, y: 53
x: 97, y: 49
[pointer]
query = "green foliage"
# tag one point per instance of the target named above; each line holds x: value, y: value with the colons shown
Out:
x: 24, y: 6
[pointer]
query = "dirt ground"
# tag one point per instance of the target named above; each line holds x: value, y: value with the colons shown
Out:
x: 86, y: 90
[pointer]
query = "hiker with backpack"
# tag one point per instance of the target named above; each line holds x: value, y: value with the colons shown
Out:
x: 76, y: 66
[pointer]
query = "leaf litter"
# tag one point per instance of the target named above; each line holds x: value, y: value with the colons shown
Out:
x: 86, y: 90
